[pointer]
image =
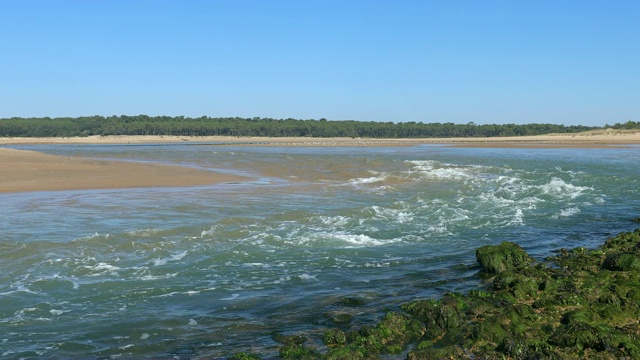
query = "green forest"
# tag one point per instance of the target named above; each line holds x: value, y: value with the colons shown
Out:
x: 208, y: 126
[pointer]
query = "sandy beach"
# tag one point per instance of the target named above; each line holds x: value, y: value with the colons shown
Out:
x: 22, y: 170
x: 599, y: 138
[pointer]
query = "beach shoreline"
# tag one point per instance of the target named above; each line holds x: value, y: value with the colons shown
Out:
x: 590, y: 139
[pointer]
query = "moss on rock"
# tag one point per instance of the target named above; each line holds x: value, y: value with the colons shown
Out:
x: 621, y: 262
x: 506, y: 256
x: 334, y: 337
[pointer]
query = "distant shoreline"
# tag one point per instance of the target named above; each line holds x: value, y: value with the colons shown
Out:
x: 580, y: 140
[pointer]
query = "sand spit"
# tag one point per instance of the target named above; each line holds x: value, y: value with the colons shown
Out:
x: 22, y: 170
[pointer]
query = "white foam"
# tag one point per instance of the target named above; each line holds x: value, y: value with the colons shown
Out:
x: 19, y: 288
x: 253, y: 264
x: 232, y: 297
x: 101, y: 268
x: 517, y: 218
x: 435, y: 169
x: 334, y: 220
x: 157, y: 277
x: 559, y: 188
x: 144, y: 336
x: 57, y: 312
x: 192, y: 322
x: 281, y: 280
x: 569, y: 212
x: 397, y: 215
x: 143, y: 232
x: 211, y: 231
x: 307, y: 277
x: 360, y: 239
x: 175, y: 257
x: 440, y: 229
x: 368, y: 180
x: 377, y: 265
x: 168, y: 294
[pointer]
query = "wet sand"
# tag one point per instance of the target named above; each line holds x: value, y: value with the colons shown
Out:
x: 22, y: 170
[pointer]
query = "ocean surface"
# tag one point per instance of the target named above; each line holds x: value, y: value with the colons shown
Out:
x: 205, y: 272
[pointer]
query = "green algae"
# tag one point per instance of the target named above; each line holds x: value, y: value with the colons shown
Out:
x: 334, y: 337
x: 245, y: 356
x: 506, y: 256
x: 622, y: 262
x: 585, y: 304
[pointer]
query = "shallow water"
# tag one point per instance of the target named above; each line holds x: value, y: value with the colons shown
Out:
x: 205, y: 272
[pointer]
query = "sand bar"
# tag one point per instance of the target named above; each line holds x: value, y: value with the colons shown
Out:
x: 22, y: 170
x: 600, y: 138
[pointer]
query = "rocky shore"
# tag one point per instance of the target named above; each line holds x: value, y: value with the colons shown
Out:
x: 581, y: 303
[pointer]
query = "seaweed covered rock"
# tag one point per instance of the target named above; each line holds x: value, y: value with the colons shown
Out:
x: 444, y: 319
x: 245, y: 356
x: 334, y: 337
x: 296, y: 351
x: 390, y: 335
x: 622, y: 262
x: 294, y: 347
x: 585, y: 306
x: 498, y: 258
x: 351, y: 301
x: 625, y: 242
x: 454, y: 352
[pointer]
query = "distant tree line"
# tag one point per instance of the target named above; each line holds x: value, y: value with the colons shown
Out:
x: 207, y: 126
x: 629, y: 125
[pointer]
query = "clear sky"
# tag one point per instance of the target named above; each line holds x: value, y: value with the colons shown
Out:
x: 559, y: 61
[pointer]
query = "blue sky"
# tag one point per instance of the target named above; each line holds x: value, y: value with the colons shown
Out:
x: 565, y: 62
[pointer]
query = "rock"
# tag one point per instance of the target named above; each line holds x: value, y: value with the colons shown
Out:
x: 346, y: 353
x: 341, y: 318
x: 621, y: 262
x: 398, y: 329
x: 289, y: 339
x: 624, y: 242
x: 440, y: 317
x: 582, y: 335
x: 490, y: 331
x: 351, y: 301
x: 245, y: 356
x: 334, y: 337
x: 454, y: 352
x: 506, y: 256
x: 295, y: 351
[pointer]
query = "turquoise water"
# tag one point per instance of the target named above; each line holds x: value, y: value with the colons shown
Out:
x: 208, y: 271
